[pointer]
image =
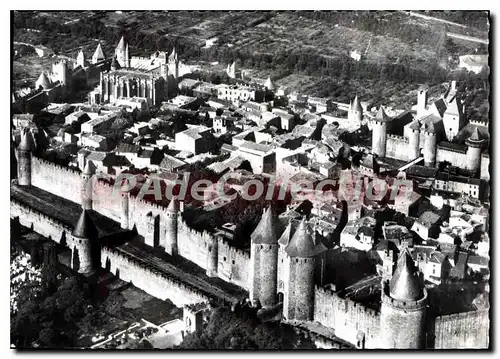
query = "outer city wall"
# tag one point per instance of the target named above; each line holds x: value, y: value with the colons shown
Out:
x: 40, y: 223
x: 468, y: 330
x: 150, y: 280
x: 347, y: 317
x: 128, y: 269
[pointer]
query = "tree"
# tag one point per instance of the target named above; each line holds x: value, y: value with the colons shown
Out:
x: 242, y: 331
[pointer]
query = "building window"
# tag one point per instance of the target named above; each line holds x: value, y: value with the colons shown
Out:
x: 224, y: 259
x: 233, y: 262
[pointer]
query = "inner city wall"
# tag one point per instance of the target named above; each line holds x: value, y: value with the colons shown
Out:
x: 347, y: 317
x: 469, y: 330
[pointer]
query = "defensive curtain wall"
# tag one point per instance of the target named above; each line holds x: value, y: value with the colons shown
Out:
x: 351, y: 320
x: 61, y: 181
x: 129, y: 269
x: 469, y: 330
x: 149, y: 219
x: 398, y: 147
x: 456, y: 156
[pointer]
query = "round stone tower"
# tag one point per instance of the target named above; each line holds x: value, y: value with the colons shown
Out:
x: 474, y: 147
x: 85, y: 237
x: 430, y: 145
x: 171, y: 227
x: 302, y: 250
x: 125, y: 197
x: 404, y: 303
x: 356, y: 111
x: 264, y: 261
x: 213, y: 256
x: 414, y: 140
x: 87, y: 173
x: 379, y: 133
x: 24, y: 153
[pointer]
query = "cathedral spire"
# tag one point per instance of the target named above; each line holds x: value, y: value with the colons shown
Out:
x: 80, y: 59
x: 121, y: 45
x: 98, y: 54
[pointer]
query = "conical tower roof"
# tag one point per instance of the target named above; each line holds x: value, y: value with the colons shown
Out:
x: 173, y: 205
x: 173, y: 56
x: 381, y: 115
x: 287, y: 234
x: 98, y: 54
x: 475, y: 139
x: 85, y: 228
x: 43, y: 81
x: 80, y: 56
x: 415, y: 125
x: 405, y: 282
x: 121, y: 45
x: 475, y: 135
x: 265, y: 232
x: 356, y: 105
x: 430, y: 128
x: 88, y: 169
x: 269, y: 84
x: 27, y: 142
x: 303, y: 244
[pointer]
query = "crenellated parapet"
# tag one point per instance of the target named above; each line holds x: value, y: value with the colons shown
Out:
x: 404, y: 305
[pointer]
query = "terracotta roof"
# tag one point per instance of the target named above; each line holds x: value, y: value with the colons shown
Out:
x: 127, y: 148
x: 437, y: 257
x: 265, y: 232
x: 428, y: 218
x: 85, y: 228
x: 405, y: 283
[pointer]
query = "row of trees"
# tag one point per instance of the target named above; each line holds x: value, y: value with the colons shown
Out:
x: 243, y: 331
